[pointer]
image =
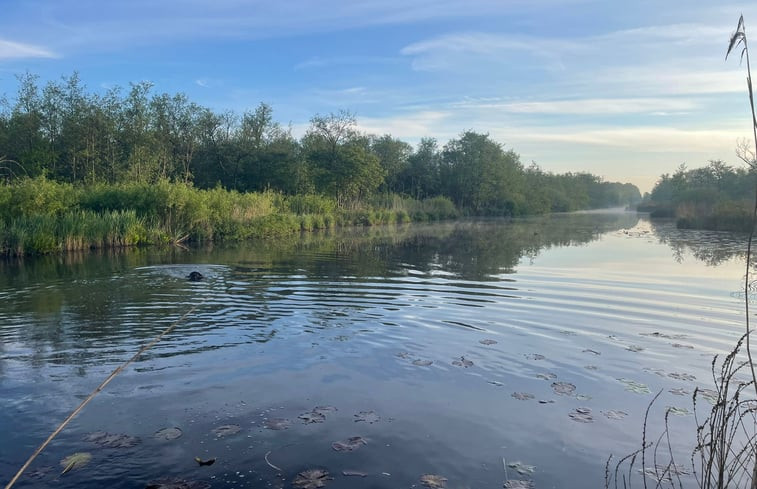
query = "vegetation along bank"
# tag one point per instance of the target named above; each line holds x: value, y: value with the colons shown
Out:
x: 128, y: 167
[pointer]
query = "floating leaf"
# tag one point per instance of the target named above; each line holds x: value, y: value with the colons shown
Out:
x: 676, y: 411
x: 227, y: 430
x: 547, y: 376
x: 312, y: 417
x: 633, y: 386
x: 519, y: 484
x: 168, y: 434
x: 433, y: 481
x: 277, y: 423
x: 634, y: 348
x: 75, y: 461
x: 522, y: 396
x: 174, y: 483
x: 583, y: 397
x: 311, y: 479
x: 324, y: 410
x: 521, y: 468
x: 367, y: 416
x: 202, y: 462
x: 593, y: 352
x: 708, y: 395
x: 487, y: 342
x: 534, y: 356
x: 615, y: 414
x: 463, y: 362
x: 679, y: 345
x: 111, y: 440
x: 582, y: 415
x: 656, y: 371
x: 354, y: 473
x: 679, y: 391
x: 496, y: 382
x: 681, y: 376
x: 349, y: 445
x: 591, y: 367
x: 545, y: 401
x: 422, y: 363
x: 563, y: 388
x: 403, y: 355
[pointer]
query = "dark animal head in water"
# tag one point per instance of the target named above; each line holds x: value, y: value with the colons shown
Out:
x: 195, y: 277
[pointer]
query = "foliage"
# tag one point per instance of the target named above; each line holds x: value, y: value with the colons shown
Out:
x: 136, y: 139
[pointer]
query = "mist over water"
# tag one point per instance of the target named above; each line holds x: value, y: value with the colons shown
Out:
x: 418, y: 336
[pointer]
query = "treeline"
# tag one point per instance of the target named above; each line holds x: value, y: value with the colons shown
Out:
x: 67, y: 134
x: 717, y: 197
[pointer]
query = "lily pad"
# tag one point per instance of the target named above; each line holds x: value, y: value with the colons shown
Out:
x: 583, y: 397
x: 534, y: 356
x: 202, y: 463
x: 422, y: 363
x: 547, y: 376
x: 677, y: 411
x: 349, y: 445
x: 633, y: 386
x: 487, y: 342
x: 367, y: 416
x: 174, y: 483
x: 521, y: 468
x: 656, y: 371
x: 546, y: 401
x: 311, y: 479
x: 681, y: 376
x: 168, y: 434
x: 563, y: 388
x: 679, y: 391
x: 403, y: 355
x: 324, y: 410
x: 75, y: 461
x: 519, y: 484
x: 277, y: 423
x: 681, y: 345
x: 708, y: 395
x: 522, y: 396
x: 463, y: 362
x: 582, y: 415
x: 634, y: 348
x: 312, y: 417
x: 433, y: 481
x: 615, y: 414
x: 227, y: 430
x: 111, y: 440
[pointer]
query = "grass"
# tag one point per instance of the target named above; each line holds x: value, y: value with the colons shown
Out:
x: 39, y: 216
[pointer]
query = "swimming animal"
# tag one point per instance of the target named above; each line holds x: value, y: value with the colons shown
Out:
x: 195, y: 276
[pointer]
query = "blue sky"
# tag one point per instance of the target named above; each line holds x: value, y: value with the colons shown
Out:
x: 625, y: 90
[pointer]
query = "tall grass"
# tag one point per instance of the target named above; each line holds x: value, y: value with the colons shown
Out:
x: 42, y: 216
x: 725, y: 452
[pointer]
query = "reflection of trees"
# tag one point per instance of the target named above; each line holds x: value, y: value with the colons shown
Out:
x: 711, y: 247
x: 88, y: 309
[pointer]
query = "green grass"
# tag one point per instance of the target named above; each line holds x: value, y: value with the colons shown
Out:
x: 40, y: 216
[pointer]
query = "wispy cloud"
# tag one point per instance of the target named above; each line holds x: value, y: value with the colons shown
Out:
x: 600, y: 106
x: 11, y: 49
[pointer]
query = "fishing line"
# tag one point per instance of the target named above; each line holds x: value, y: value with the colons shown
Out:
x: 97, y: 391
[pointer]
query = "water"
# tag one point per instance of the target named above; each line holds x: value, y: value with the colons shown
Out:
x: 352, y: 320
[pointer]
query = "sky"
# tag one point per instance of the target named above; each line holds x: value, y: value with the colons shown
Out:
x: 625, y: 90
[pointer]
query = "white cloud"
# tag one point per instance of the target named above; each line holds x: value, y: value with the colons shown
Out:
x: 11, y: 49
x: 601, y: 106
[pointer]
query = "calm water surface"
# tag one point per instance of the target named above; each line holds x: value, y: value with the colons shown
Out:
x: 428, y: 331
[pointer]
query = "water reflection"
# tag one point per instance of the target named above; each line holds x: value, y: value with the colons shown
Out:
x: 710, y: 247
x: 432, y: 327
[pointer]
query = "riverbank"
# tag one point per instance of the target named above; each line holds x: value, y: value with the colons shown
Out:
x: 39, y: 216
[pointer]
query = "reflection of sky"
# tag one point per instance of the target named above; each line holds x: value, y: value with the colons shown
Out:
x: 272, y: 342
